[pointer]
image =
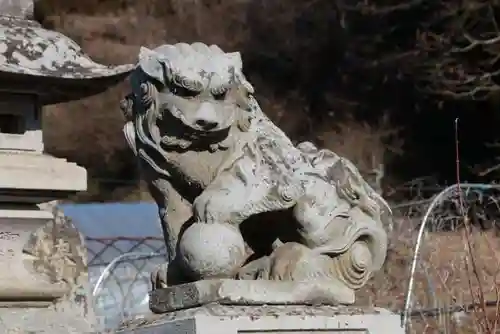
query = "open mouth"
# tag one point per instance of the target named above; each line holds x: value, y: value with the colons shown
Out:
x: 173, y: 123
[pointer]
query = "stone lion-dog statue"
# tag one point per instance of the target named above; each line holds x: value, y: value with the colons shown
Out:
x: 237, y: 200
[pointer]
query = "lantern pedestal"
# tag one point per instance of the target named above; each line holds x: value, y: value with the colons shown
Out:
x: 44, y: 280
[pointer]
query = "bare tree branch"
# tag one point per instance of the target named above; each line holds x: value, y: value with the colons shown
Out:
x: 373, y: 9
x: 462, y: 52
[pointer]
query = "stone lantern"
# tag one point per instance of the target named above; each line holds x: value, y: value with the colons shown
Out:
x: 37, y: 67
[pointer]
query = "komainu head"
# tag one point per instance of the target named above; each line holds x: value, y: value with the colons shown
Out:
x: 199, y: 85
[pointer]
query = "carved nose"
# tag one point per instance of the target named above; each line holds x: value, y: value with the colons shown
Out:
x: 205, y: 124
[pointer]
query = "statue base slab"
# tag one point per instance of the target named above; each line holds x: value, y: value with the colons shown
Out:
x: 249, y: 292
x: 226, y: 319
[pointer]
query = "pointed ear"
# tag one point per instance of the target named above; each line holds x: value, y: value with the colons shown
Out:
x: 234, y: 59
x: 248, y: 86
x: 153, y: 64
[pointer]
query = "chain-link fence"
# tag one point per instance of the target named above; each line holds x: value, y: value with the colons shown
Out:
x: 119, y: 270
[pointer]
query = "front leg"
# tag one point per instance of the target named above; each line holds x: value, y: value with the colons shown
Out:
x: 175, y: 212
x: 244, y: 191
x: 238, y: 193
x: 213, y: 247
x: 224, y: 201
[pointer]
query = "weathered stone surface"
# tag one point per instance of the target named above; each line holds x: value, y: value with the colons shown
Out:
x: 222, y: 319
x: 19, y: 283
x: 27, y: 48
x: 60, y: 253
x: 236, y: 198
x: 49, y: 64
x: 248, y: 292
x: 58, y: 300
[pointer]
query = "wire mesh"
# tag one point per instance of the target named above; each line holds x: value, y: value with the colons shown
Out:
x: 119, y: 271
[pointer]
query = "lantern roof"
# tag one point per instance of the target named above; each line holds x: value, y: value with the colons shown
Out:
x: 50, y: 65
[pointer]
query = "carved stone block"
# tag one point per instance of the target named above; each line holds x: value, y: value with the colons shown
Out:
x: 20, y: 284
x: 31, y: 175
x: 247, y: 292
x: 44, y: 285
x: 222, y: 319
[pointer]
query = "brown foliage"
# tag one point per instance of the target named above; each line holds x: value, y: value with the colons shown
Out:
x: 444, y: 280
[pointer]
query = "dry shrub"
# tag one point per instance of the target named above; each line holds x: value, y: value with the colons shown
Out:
x: 290, y: 113
x: 454, y: 281
x: 455, y: 268
x: 369, y: 147
x: 89, y: 132
x: 150, y: 22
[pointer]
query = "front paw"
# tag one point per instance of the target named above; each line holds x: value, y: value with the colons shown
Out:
x: 159, y: 277
x: 212, y: 207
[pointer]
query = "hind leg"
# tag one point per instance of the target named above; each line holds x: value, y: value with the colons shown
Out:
x: 293, y: 261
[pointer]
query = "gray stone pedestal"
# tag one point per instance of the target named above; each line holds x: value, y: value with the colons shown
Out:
x: 225, y: 319
x: 43, y: 272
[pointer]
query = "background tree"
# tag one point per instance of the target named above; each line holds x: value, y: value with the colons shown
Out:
x: 398, y: 71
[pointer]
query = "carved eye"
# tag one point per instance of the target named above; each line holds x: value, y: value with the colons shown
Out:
x: 182, y: 91
x: 220, y: 95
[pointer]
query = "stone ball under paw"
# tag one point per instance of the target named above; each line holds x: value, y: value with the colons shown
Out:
x: 212, y: 250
